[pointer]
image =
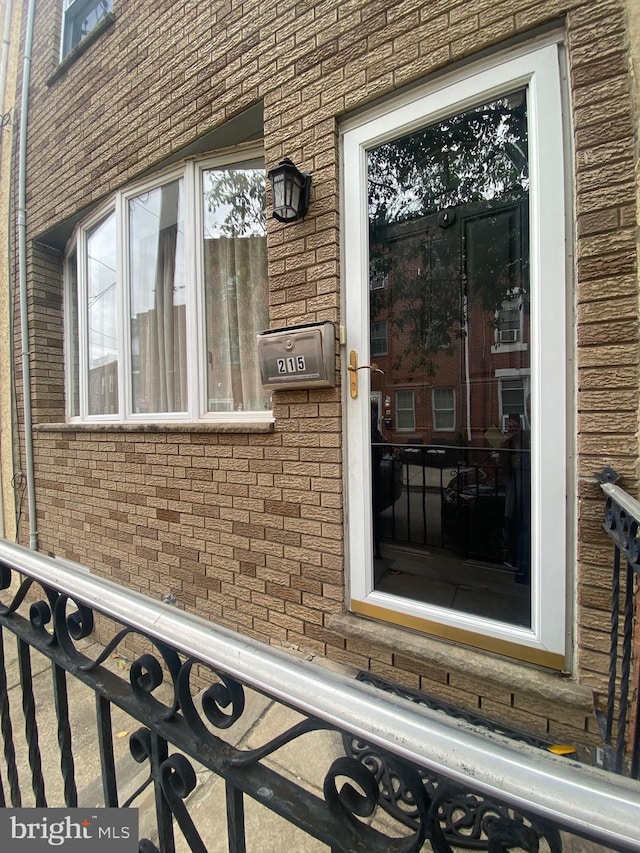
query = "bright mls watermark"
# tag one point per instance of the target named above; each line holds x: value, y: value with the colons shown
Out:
x: 69, y: 830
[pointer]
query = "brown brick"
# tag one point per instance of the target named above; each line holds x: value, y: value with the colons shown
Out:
x: 232, y: 515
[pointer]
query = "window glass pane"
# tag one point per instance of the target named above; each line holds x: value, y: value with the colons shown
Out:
x: 102, y: 336
x: 235, y: 279
x: 73, y: 352
x: 158, y: 301
x: 513, y: 397
x: 379, y: 338
x: 448, y: 226
x: 443, y: 408
x: 80, y: 17
x: 405, y: 410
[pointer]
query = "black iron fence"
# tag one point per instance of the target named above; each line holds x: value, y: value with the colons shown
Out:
x: 413, y: 778
x: 447, y: 497
x: 620, y: 731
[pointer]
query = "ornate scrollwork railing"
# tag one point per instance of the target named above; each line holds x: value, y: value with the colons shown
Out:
x: 622, y: 524
x: 461, y: 786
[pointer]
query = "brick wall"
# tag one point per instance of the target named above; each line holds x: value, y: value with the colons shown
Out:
x: 606, y: 298
x: 246, y: 528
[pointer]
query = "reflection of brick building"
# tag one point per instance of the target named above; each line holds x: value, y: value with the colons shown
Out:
x: 453, y: 368
x: 103, y: 387
x: 144, y: 346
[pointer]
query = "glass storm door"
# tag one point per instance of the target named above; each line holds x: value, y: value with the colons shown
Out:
x: 445, y: 423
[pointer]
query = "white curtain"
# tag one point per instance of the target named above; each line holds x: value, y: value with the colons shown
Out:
x: 236, y: 306
x: 159, y: 322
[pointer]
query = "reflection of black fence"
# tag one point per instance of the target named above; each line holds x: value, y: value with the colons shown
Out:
x: 464, y: 499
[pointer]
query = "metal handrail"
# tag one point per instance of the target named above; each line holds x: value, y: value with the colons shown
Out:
x: 581, y: 799
x: 622, y: 525
x: 623, y: 499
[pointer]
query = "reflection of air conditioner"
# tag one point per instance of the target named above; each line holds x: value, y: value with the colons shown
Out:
x: 508, y: 336
x: 377, y: 281
x: 507, y: 418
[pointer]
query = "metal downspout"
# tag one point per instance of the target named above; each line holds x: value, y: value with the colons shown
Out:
x: 4, y: 59
x: 22, y: 264
x: 6, y: 40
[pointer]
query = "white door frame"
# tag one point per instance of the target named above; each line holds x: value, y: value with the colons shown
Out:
x: 537, y: 68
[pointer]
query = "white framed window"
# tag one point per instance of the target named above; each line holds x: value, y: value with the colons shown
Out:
x: 405, y: 411
x: 443, y: 402
x: 512, y: 105
x: 166, y: 289
x: 510, y: 329
x: 80, y: 17
x: 509, y: 323
x: 378, y: 274
x: 379, y: 338
x: 513, y: 388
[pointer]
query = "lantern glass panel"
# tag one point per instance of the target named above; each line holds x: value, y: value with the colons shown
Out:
x: 279, y: 191
x: 296, y: 188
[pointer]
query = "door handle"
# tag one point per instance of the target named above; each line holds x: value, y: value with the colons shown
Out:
x: 353, y: 372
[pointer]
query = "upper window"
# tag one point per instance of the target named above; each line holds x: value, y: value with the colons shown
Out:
x: 511, y: 332
x: 80, y: 17
x: 379, y: 338
x: 166, y: 291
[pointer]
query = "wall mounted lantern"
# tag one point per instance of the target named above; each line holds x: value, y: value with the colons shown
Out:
x: 291, y: 189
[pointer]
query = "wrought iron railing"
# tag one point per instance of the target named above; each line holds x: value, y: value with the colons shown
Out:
x: 450, y: 497
x: 452, y: 784
x: 620, y: 733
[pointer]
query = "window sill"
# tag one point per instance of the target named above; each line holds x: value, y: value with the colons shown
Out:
x: 259, y: 427
x: 105, y: 24
x: 463, y: 660
x: 506, y: 348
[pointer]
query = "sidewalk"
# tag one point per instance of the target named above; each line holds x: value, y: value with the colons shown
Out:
x: 306, y: 761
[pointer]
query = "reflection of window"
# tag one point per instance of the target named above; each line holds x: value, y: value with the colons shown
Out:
x: 405, y: 410
x: 444, y: 409
x: 513, y: 400
x: 378, y: 273
x: 171, y: 305
x: 510, y: 326
x: 80, y: 18
x: 379, y: 338
x: 220, y: 405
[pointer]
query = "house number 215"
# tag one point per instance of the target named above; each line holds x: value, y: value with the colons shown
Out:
x: 292, y: 365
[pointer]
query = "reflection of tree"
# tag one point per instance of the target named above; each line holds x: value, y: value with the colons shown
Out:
x: 448, y: 221
x: 422, y: 301
x: 477, y: 155
x: 236, y: 199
